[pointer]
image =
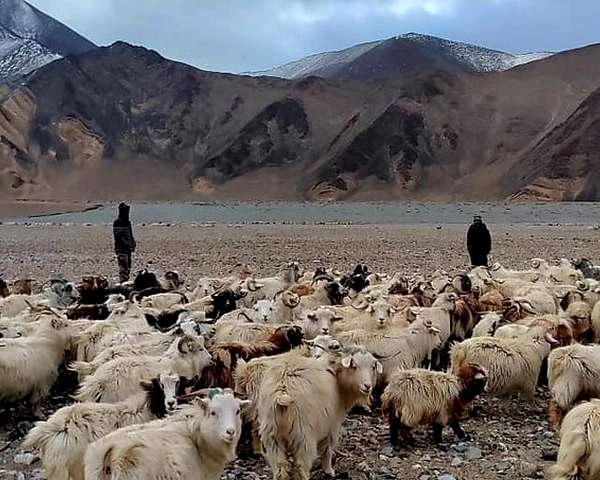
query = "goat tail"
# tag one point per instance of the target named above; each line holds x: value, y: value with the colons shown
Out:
x: 82, y: 368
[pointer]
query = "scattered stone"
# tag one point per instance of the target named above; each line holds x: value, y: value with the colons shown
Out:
x: 502, y: 466
x: 459, y: 447
x: 25, y: 458
x: 528, y: 469
x: 446, y: 476
x: 387, y: 451
x: 473, y: 453
x: 456, y: 461
x: 501, y: 447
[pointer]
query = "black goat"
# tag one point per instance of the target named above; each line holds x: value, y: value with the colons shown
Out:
x: 223, y: 301
x: 144, y: 280
x: 89, y: 312
x: 588, y: 269
x: 165, y: 320
x: 357, y: 280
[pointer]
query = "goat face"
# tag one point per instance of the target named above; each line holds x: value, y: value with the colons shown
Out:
x: 222, y: 416
x: 170, y: 387
x: 65, y: 292
x: 380, y: 312
x: 144, y: 280
x: 294, y: 335
x: 223, y: 302
x: 173, y: 280
x: 359, y: 370
x: 263, y: 310
x: 336, y: 293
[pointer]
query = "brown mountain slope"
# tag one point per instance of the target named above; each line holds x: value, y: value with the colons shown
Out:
x: 124, y: 121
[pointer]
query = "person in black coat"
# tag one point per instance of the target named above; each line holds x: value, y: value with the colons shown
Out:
x: 479, y: 242
x: 124, y: 242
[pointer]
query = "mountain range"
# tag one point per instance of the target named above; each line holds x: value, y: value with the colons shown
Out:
x: 412, y: 117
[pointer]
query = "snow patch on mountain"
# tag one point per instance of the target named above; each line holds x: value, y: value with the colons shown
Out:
x: 478, y: 59
x: 23, y: 56
x: 30, y: 39
x: 308, y: 65
x: 20, y: 18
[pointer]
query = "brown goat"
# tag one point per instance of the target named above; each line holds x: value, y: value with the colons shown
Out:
x: 22, y: 287
x: 491, y: 301
x: 302, y: 290
x: 4, y: 292
x: 417, y: 397
x: 465, y: 315
x: 226, y: 356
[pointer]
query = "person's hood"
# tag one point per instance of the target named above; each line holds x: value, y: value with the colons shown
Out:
x: 124, y: 211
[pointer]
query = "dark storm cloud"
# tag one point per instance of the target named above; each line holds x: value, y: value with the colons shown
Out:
x: 240, y: 35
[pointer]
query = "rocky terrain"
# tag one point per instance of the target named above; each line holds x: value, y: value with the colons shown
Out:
x: 30, y: 39
x: 509, y: 437
x: 124, y: 121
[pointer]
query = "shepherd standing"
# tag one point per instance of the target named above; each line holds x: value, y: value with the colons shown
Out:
x: 479, y: 242
x: 124, y: 242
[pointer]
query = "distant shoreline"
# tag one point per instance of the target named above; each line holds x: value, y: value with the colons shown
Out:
x: 19, y: 208
x: 167, y: 213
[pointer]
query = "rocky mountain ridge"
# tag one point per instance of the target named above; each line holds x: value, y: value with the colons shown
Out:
x: 124, y: 121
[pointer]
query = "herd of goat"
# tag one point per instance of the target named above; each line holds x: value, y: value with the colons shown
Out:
x: 170, y: 378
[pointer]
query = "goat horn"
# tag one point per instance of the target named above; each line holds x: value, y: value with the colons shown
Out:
x: 318, y: 278
x: 245, y: 315
x: 360, y: 306
x: 197, y: 393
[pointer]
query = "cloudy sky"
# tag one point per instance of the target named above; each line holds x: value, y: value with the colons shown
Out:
x: 241, y: 35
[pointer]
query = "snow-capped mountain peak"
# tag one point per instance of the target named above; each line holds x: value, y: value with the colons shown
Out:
x: 459, y: 55
x: 30, y: 39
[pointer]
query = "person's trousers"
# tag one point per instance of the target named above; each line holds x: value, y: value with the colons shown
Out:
x: 478, y: 260
x: 124, y: 261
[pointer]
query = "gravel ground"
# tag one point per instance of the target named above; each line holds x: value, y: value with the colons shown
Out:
x: 509, y: 436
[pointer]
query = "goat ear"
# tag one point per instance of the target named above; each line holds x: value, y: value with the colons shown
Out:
x: 347, y: 362
x: 337, y: 318
x: 202, y: 403
x: 245, y: 403
x: 146, y: 385
x: 184, y: 345
x: 379, y: 368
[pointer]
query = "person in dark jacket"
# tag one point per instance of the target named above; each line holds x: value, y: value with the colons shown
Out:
x: 124, y: 242
x: 479, y: 242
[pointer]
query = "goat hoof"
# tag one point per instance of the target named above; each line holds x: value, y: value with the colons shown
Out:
x: 330, y: 473
x: 549, y: 455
